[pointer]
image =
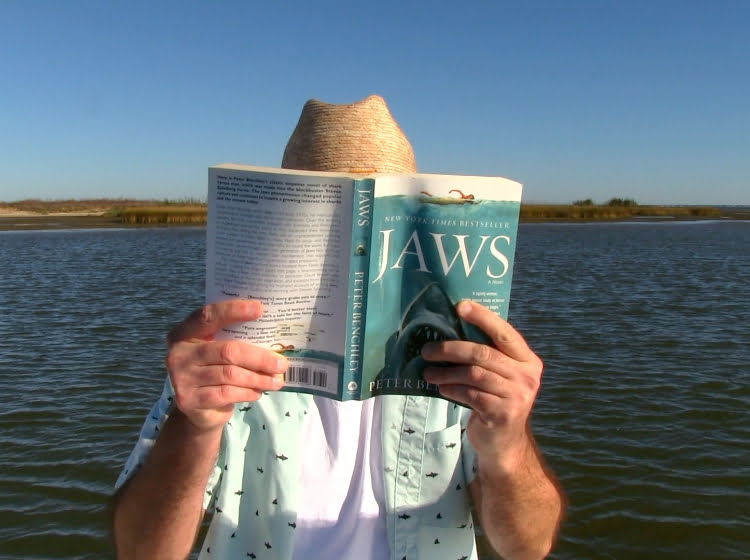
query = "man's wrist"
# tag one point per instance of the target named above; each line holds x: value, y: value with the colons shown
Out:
x: 189, y: 430
x: 506, y: 463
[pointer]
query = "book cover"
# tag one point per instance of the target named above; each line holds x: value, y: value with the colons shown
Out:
x: 357, y: 273
x: 436, y: 240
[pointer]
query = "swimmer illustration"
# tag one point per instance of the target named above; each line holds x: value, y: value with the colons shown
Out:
x: 280, y: 347
x: 458, y: 198
x: 429, y: 317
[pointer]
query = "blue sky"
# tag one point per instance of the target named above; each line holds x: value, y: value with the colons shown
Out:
x: 576, y: 99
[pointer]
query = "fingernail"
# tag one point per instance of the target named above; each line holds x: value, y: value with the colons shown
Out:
x: 463, y: 308
x: 428, y: 349
x: 254, y: 308
x: 281, y: 364
x: 278, y: 380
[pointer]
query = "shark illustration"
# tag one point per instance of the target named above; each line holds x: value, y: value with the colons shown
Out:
x: 429, y: 317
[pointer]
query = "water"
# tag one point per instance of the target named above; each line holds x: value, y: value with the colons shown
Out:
x: 645, y: 406
x: 644, y: 412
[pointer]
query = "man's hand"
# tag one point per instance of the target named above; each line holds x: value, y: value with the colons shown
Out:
x: 519, y: 504
x: 499, y: 383
x: 158, y: 512
x: 209, y: 376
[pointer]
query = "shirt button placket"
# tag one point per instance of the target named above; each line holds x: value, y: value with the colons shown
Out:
x: 408, y: 483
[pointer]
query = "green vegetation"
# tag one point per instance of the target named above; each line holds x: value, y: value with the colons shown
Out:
x: 615, y: 209
x: 190, y: 211
x: 625, y: 202
x: 165, y: 214
x: 88, y: 206
x: 125, y: 210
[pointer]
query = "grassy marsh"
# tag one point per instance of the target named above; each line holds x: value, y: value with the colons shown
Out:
x: 168, y: 215
x: 119, y: 212
x: 596, y: 212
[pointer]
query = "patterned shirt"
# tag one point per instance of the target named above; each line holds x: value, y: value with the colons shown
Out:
x: 253, y: 489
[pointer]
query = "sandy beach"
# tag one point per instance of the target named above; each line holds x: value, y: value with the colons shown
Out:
x: 99, y: 213
x: 12, y: 219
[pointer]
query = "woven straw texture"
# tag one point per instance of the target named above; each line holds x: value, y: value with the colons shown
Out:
x: 358, y: 137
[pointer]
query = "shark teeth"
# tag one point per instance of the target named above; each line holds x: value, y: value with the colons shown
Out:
x: 422, y: 335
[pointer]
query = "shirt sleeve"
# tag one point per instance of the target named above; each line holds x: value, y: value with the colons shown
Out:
x: 147, y: 437
x: 468, y: 453
x: 149, y: 432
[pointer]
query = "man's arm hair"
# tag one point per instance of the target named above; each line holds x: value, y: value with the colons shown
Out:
x: 158, y: 512
x: 520, y: 509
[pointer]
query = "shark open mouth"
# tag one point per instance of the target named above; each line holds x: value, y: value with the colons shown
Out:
x: 429, y: 317
x: 423, y: 334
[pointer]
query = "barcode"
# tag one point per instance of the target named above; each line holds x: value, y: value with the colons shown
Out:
x: 313, y: 374
x: 306, y: 376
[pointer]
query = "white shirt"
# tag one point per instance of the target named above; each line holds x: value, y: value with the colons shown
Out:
x: 342, y: 511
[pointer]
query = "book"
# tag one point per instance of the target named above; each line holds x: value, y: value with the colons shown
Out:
x: 356, y: 272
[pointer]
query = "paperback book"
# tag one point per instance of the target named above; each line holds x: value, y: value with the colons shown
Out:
x: 357, y: 272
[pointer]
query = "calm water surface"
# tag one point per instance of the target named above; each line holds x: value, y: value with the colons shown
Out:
x: 644, y: 411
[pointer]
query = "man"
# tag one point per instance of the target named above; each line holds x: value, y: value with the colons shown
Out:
x: 293, y: 476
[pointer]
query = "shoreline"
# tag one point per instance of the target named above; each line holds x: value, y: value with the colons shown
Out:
x: 32, y: 222
x: 138, y: 215
x: 28, y: 221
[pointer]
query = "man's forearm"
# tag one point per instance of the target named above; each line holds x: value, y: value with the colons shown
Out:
x: 158, y: 512
x: 520, y: 508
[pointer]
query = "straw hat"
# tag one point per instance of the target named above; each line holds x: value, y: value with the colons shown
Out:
x: 358, y: 137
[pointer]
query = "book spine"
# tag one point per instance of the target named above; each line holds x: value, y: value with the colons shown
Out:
x: 359, y: 269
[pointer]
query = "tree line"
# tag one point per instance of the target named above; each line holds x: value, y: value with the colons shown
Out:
x: 619, y: 202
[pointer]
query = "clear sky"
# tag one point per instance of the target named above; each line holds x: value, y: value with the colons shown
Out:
x: 643, y: 99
